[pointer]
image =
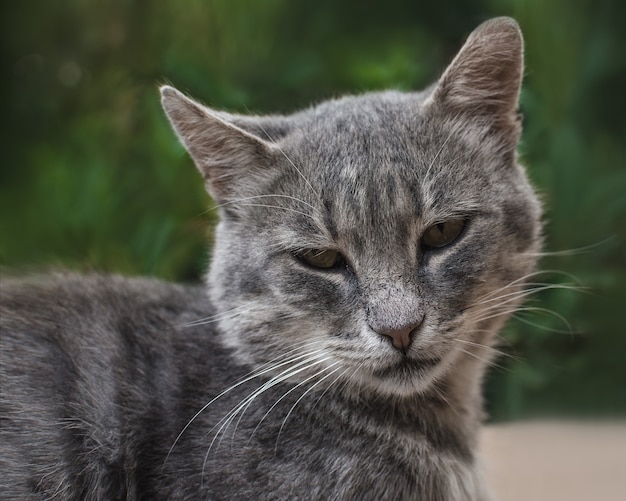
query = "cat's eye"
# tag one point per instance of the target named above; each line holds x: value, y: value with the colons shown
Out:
x: 324, y: 259
x: 442, y: 234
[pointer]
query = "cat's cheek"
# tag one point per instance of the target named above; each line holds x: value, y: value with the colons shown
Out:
x: 450, y: 280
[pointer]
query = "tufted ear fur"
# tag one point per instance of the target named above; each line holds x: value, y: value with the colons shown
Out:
x: 225, y: 153
x: 483, y: 81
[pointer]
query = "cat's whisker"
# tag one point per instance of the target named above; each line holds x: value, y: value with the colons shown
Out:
x: 273, y: 366
x: 533, y: 309
x: 313, y: 386
x: 296, y: 348
x: 225, y: 422
x: 282, y: 376
x: 443, y: 145
x: 272, y: 383
x: 515, y: 296
x: 227, y: 419
x: 484, y: 317
x: 233, y: 312
x: 505, y: 306
x: 288, y: 392
x: 491, y: 349
x: 252, y: 375
x: 288, y: 209
x: 282, y: 152
x: 486, y: 361
x: 277, y: 402
x: 348, y: 381
x: 452, y: 162
x: 530, y: 291
x: 570, y: 252
x: 440, y: 394
x: 516, y: 311
x: 520, y: 281
x: 511, y: 300
x: 328, y: 388
x: 243, y: 199
x: 498, y: 337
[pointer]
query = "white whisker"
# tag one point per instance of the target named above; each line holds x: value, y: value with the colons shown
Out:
x: 225, y: 422
x: 250, y: 376
x: 288, y: 209
x: 484, y: 317
x: 438, y: 153
x: 339, y: 376
x: 442, y: 397
x: 225, y: 314
x: 483, y: 360
x: 520, y: 281
x: 300, y: 399
x: 486, y: 347
x: 570, y: 252
x: 244, y: 404
x: 283, y: 376
x: 282, y: 152
x: 533, y: 309
x: 284, y: 395
x: 243, y: 199
x: 529, y: 291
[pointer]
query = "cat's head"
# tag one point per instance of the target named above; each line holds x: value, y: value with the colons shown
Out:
x: 383, y: 238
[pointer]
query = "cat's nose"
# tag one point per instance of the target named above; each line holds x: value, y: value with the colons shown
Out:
x: 401, y: 337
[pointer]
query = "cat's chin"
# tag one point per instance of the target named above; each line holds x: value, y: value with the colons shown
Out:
x: 407, y: 367
x: 404, y: 376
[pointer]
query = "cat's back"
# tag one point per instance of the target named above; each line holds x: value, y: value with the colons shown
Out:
x: 62, y: 314
x: 83, y: 360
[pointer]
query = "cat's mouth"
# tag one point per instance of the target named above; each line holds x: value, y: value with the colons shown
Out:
x: 407, y: 366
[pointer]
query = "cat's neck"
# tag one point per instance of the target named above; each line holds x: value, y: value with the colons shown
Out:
x: 451, y: 407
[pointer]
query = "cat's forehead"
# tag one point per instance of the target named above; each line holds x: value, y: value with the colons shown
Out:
x: 378, y: 134
x: 355, y: 121
x: 385, y: 148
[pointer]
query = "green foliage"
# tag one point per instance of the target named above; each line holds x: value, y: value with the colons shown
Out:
x: 92, y: 176
x: 573, y: 145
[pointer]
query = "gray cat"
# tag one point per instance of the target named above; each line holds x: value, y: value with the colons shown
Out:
x: 369, y: 250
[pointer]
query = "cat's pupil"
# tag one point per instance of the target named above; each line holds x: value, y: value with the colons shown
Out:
x: 321, y: 258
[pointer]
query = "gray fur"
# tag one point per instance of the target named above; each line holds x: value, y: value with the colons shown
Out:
x: 115, y: 388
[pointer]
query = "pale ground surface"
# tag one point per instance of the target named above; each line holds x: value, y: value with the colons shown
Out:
x: 554, y: 461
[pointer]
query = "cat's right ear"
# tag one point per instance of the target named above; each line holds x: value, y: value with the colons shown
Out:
x: 227, y: 156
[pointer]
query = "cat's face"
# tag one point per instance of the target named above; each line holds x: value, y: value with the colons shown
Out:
x: 369, y: 239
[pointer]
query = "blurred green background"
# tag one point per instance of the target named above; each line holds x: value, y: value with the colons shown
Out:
x: 92, y: 177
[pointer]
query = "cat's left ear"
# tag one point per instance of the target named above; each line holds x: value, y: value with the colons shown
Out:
x: 483, y: 81
x: 228, y: 156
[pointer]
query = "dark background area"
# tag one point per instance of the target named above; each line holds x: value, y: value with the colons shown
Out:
x: 93, y: 178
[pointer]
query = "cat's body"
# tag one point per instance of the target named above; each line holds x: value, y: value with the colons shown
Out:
x: 99, y: 423
x: 368, y: 252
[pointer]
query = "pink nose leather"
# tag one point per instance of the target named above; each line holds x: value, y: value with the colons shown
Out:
x: 400, y: 337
